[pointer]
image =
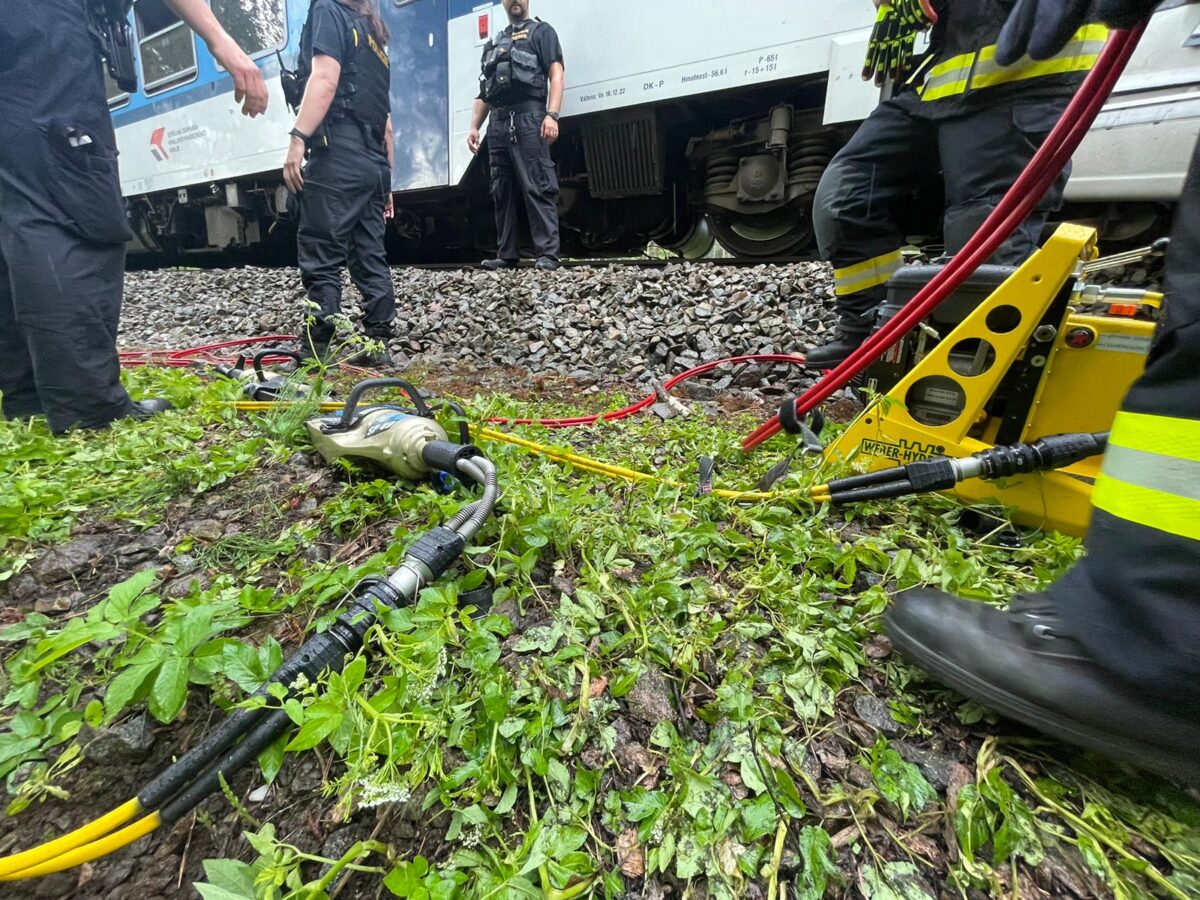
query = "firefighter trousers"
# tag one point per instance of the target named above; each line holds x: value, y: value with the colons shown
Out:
x: 1134, y: 601
x: 898, y: 148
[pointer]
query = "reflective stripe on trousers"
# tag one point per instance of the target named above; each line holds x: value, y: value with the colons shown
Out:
x: 865, y: 275
x: 1151, y: 474
x: 979, y: 69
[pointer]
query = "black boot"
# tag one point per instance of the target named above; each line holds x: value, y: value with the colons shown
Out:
x: 1025, y: 665
x: 834, y: 354
x: 547, y: 264
x: 146, y: 409
x: 493, y: 265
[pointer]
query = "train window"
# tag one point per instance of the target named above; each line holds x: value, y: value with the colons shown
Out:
x: 165, y: 46
x: 259, y: 26
x: 116, y: 96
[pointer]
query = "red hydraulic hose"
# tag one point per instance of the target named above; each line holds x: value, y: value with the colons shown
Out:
x: 635, y: 408
x: 1046, y: 165
x: 189, y: 356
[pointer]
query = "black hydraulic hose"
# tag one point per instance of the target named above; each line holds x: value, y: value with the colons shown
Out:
x: 262, y: 736
x: 873, y: 492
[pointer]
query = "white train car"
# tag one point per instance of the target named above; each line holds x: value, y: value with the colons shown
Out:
x: 683, y: 121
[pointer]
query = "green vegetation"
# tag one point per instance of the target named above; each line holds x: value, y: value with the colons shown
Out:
x: 665, y: 687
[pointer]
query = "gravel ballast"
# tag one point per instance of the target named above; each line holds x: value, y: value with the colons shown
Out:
x: 621, y: 320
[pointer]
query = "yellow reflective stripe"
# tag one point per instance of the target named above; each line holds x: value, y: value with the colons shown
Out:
x: 953, y: 64
x: 1163, y: 435
x: 1151, y: 473
x: 1149, y: 508
x: 980, y: 70
x: 868, y: 274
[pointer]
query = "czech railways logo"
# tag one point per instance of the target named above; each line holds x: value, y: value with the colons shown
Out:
x: 157, y: 147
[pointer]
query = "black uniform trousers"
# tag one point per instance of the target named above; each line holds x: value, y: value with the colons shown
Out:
x: 897, y: 148
x: 1134, y: 601
x: 523, y: 171
x: 341, y: 224
x: 62, y: 224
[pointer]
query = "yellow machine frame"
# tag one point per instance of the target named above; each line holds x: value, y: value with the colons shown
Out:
x: 1080, y: 390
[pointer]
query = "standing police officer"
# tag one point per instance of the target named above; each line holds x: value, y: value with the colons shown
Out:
x: 62, y: 220
x: 522, y: 87
x: 982, y: 121
x: 344, y: 127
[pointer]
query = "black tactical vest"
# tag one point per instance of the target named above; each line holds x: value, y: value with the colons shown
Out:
x: 363, y: 92
x: 511, y: 67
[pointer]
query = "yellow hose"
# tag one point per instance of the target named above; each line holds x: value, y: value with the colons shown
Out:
x: 77, y: 838
x: 88, y: 852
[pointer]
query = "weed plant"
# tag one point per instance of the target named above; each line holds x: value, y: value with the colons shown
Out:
x: 752, y: 627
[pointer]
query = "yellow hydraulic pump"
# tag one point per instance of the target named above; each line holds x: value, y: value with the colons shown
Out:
x: 1045, y: 354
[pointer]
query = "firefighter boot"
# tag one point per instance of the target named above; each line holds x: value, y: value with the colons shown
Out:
x: 835, y: 353
x: 1025, y: 664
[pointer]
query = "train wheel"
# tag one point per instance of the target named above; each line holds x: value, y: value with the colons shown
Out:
x: 758, y: 237
x: 694, y: 242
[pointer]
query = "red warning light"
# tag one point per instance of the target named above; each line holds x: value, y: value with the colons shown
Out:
x: 485, y: 26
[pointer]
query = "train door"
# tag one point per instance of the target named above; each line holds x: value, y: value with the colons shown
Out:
x: 420, y: 114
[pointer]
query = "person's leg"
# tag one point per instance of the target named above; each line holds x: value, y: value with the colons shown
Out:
x: 370, y: 272
x: 18, y: 389
x: 982, y: 156
x: 327, y: 217
x: 66, y: 297
x: 538, y: 176
x: 505, y: 190
x: 1108, y: 657
x: 854, y: 214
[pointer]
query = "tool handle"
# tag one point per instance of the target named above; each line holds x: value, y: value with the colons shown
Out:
x: 263, y: 354
x: 372, y: 384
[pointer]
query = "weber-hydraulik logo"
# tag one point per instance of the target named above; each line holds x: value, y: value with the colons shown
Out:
x: 157, y: 145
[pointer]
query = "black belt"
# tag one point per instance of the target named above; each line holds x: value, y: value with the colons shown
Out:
x: 349, y: 129
x: 529, y: 106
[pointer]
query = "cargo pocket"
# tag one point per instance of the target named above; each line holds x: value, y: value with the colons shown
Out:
x: 1037, y: 118
x: 547, y: 175
x: 82, y: 178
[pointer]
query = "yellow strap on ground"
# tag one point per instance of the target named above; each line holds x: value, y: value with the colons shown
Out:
x: 582, y: 462
x: 10, y: 865
x: 93, y: 850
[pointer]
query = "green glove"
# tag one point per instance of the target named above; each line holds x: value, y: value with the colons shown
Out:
x: 890, y: 49
x: 889, y: 53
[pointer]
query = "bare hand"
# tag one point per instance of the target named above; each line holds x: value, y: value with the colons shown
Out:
x: 293, y: 175
x: 473, y: 140
x: 549, y: 129
x: 389, y: 208
x: 250, y: 89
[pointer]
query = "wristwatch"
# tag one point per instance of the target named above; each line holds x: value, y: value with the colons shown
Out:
x: 552, y: 115
x: 297, y: 133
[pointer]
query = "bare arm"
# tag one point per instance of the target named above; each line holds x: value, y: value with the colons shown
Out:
x: 318, y: 97
x: 478, y: 114
x: 558, y: 78
x: 558, y: 81
x: 250, y: 89
x: 389, y: 140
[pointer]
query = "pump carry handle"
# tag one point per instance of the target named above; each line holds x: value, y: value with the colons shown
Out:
x: 372, y: 384
x: 263, y: 354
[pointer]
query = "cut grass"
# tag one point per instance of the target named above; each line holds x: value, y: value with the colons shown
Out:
x: 666, y: 684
